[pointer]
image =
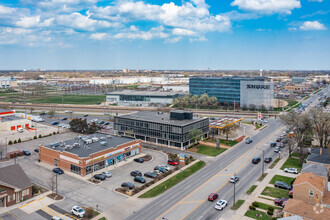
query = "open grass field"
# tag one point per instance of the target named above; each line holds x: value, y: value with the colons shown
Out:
x: 70, y: 99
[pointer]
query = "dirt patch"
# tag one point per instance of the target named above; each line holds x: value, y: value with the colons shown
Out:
x: 55, y: 196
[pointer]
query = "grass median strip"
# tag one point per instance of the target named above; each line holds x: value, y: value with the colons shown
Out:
x: 209, y: 151
x: 274, y: 163
x: 251, y: 189
x: 237, y: 205
x: 157, y: 190
x: 285, y: 179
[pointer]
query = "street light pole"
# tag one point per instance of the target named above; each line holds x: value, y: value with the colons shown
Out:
x: 234, y: 190
x: 263, y: 162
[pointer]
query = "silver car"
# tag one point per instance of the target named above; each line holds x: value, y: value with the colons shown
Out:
x: 291, y: 170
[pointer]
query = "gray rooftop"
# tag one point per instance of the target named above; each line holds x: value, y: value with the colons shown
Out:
x: 14, y: 176
x: 314, y: 168
x: 160, y: 117
x: 145, y: 93
x: 10, y: 118
x: 85, y: 150
x: 319, y: 155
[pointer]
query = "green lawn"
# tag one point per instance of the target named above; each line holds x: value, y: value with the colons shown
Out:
x: 252, y: 188
x: 237, y: 205
x: 265, y: 206
x: 228, y: 142
x: 261, y: 178
x: 274, y: 163
x: 103, y: 218
x: 306, y: 97
x: 209, y: 151
x: 285, y: 179
x: 71, y: 99
x: 252, y: 214
x: 291, y: 162
x: 275, y: 193
x: 173, y: 181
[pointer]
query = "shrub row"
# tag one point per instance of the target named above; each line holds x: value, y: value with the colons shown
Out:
x: 35, y: 137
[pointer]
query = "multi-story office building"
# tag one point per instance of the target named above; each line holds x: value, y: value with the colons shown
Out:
x: 243, y: 91
x: 171, y: 129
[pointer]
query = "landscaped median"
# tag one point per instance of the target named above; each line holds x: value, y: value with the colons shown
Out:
x: 167, y: 184
x: 209, y: 151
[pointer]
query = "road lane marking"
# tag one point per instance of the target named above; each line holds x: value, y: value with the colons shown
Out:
x: 225, y: 174
x: 191, y: 202
x: 13, y: 215
x: 242, y: 156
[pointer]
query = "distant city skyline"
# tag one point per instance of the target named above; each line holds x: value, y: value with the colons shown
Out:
x: 164, y: 35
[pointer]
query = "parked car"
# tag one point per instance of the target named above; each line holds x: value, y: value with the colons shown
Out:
x: 56, y: 218
x: 136, y: 173
x: 291, y: 170
x: 248, y: 141
x: 101, y: 122
x: 165, y: 167
x: 54, y: 123
x: 58, y: 170
x: 150, y: 175
x: 278, y: 139
x: 291, y: 194
x: 285, y: 141
x: 282, y: 145
x: 281, y: 202
x: 139, y: 160
x: 234, y: 179
x: 221, y: 204
x: 106, y: 113
x: 107, y: 174
x: 36, y: 150
x: 107, y: 123
x: 277, y: 150
x: 282, y: 185
x: 100, y: 177
x: 64, y: 119
x: 212, y: 197
x: 268, y: 159
x: 139, y: 179
x: 161, y: 169
x: 172, y: 162
x: 20, y: 130
x: 77, y: 211
x: 273, y: 144
x: 157, y: 172
x: 256, y: 160
x: 26, y: 152
x: 128, y: 185
x: 85, y: 115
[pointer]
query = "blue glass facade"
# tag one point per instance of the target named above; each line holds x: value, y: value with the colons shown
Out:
x: 226, y: 90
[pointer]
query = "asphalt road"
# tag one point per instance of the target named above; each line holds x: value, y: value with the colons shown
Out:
x: 166, y: 204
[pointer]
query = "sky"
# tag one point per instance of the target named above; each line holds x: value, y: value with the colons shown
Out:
x: 165, y: 35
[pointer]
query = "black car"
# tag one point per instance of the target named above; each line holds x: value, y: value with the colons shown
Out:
x: 161, y: 169
x: 278, y: 139
x: 101, y: 122
x: 107, y: 123
x: 140, y: 179
x: 256, y: 160
x: 128, y: 184
x: 26, y: 152
x: 248, y: 141
x: 36, y: 150
x: 139, y: 160
x: 58, y: 171
x: 273, y: 144
x: 100, y: 177
x: 136, y: 173
x: 64, y: 119
x: 150, y: 175
x: 85, y: 115
x: 268, y: 159
x: 282, y: 185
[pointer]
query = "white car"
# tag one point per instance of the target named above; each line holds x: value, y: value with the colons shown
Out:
x: 20, y: 130
x: 291, y: 170
x: 77, y: 211
x: 165, y: 167
x: 107, y: 174
x: 56, y: 218
x: 94, y: 120
x: 68, y: 111
x: 234, y: 179
x: 221, y: 204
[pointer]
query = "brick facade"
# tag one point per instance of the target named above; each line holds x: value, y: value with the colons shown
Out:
x: 11, y: 197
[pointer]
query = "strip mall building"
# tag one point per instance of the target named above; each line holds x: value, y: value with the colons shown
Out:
x: 84, y: 155
x: 10, y: 122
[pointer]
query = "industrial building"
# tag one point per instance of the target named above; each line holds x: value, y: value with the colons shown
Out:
x: 10, y: 122
x: 142, y: 98
x: 86, y: 154
x: 171, y: 129
x: 246, y: 92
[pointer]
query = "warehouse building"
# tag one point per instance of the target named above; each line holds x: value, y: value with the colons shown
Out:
x: 142, y: 98
x: 10, y: 122
x: 171, y: 129
x: 244, y: 92
x: 86, y: 154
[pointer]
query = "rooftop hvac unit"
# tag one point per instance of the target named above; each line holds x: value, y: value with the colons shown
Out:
x: 67, y: 147
x: 56, y: 144
x: 103, y: 143
x: 76, y: 145
x: 95, y: 139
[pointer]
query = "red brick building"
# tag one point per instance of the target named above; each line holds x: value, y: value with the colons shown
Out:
x: 15, y: 186
x: 84, y: 155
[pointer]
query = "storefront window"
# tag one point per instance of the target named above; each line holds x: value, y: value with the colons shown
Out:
x: 97, y: 166
x: 75, y: 169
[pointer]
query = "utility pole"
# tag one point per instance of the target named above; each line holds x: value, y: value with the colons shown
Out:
x: 263, y: 162
x: 56, y: 183
x: 35, y: 127
x: 234, y: 189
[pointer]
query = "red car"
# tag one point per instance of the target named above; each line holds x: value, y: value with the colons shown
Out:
x: 291, y: 194
x: 172, y: 162
x: 281, y: 202
x: 212, y: 197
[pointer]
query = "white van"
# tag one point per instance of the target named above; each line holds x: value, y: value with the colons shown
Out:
x: 20, y: 130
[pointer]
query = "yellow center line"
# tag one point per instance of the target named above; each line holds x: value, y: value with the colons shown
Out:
x: 191, y: 202
x: 227, y: 180
x: 13, y: 215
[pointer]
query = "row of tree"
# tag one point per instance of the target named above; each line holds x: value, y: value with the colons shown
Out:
x: 311, y: 125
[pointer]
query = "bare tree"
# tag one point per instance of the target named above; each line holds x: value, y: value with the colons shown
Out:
x: 321, y: 126
x: 302, y: 127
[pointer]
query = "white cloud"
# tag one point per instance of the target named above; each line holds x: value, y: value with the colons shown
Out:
x: 6, y: 10
x: 153, y: 33
x: 292, y: 29
x: 315, y: 0
x: 34, y: 21
x: 312, y: 26
x: 52, y: 3
x: 267, y: 6
x: 183, y: 32
x: 173, y: 40
x: 98, y: 36
x: 17, y: 31
x: 237, y: 16
x: 82, y: 22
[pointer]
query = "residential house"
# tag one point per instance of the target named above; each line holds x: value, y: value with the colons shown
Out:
x: 320, y: 156
x: 15, y: 186
x: 318, y: 170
